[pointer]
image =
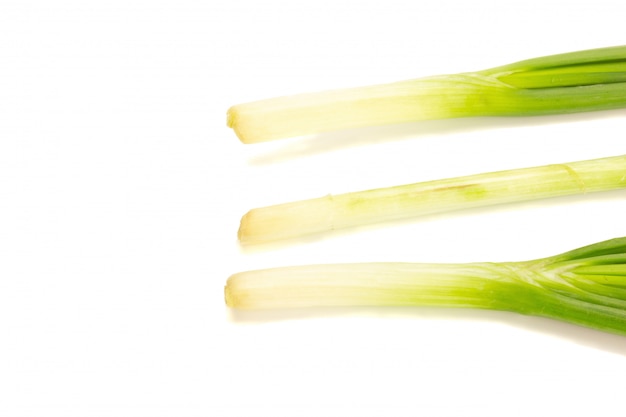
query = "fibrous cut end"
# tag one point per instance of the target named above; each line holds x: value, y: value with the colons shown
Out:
x: 232, y: 121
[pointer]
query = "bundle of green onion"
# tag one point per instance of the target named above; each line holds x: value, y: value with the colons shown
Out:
x: 586, y: 286
x: 566, y: 83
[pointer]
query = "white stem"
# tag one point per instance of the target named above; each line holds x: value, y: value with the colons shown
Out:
x: 347, y: 210
x: 405, y: 101
x: 371, y: 284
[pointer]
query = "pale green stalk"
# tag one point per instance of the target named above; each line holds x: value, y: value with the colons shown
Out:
x: 566, y: 83
x: 380, y: 205
x: 586, y: 286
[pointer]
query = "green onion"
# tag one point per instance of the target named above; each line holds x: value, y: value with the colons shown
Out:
x: 586, y: 286
x: 566, y: 83
x: 323, y: 214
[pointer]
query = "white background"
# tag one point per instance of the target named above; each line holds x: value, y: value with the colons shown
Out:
x: 121, y: 190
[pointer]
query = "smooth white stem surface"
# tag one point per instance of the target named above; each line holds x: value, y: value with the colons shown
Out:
x: 367, y: 284
x: 405, y: 101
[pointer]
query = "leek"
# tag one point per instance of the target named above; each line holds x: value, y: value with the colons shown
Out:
x: 327, y: 213
x: 565, y: 83
x: 586, y: 286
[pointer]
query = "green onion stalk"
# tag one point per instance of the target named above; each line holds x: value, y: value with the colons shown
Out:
x: 586, y: 286
x: 323, y: 214
x: 566, y: 83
